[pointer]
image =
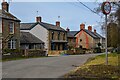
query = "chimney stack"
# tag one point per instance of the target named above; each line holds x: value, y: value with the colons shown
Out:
x: 82, y: 26
x: 67, y: 29
x: 58, y: 23
x: 38, y: 19
x: 94, y: 30
x: 5, y: 6
x: 90, y: 28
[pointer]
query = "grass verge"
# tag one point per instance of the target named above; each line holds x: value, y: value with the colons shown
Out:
x: 95, y: 68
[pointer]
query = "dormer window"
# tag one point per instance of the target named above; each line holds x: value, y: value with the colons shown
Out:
x: 11, y: 27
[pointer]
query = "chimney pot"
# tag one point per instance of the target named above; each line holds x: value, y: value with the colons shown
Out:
x: 38, y: 19
x: 82, y: 26
x: 67, y: 29
x: 58, y: 23
x: 90, y: 28
x: 5, y: 6
x: 94, y: 30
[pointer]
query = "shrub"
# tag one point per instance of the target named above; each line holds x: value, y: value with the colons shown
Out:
x: 97, y: 50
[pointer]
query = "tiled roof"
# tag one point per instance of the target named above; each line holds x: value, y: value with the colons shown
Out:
x: 28, y: 38
x: 7, y: 15
x: 29, y: 26
x: 92, y: 34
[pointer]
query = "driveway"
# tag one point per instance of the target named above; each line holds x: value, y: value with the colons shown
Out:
x: 49, y: 67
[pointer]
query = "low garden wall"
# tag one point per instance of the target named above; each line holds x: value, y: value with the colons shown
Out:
x: 56, y: 52
x: 6, y: 54
x: 33, y: 53
x: 75, y: 52
x: 68, y: 52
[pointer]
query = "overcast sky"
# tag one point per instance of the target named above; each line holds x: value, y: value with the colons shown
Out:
x: 72, y: 14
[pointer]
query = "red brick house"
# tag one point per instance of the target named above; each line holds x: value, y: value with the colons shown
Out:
x: 86, y: 38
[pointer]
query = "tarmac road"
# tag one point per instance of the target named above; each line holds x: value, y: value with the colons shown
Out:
x: 48, y: 67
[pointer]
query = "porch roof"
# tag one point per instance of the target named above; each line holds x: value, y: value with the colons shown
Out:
x: 59, y: 41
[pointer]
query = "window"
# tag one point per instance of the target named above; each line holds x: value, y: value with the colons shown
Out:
x: 53, y: 46
x: 63, y: 36
x: 58, y: 46
x: 80, y: 46
x: 52, y: 35
x: 11, y: 27
x: 58, y: 35
x: 64, y: 46
x: 80, y: 40
x: 12, y: 44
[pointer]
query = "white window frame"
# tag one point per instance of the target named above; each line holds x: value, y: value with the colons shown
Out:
x: 11, y: 31
x: 12, y: 44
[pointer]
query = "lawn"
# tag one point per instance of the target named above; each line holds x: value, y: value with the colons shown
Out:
x: 95, y: 68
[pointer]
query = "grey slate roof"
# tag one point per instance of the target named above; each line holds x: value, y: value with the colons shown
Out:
x: 70, y: 34
x: 73, y: 32
x: 92, y: 34
x: 29, y: 26
x: 7, y: 15
x: 26, y: 26
x: 28, y: 38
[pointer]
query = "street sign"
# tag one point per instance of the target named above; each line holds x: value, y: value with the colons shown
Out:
x: 106, y: 8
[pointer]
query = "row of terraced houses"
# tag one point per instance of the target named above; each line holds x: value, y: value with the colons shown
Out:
x: 42, y: 35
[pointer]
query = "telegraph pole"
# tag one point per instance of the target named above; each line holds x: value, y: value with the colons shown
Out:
x: 106, y: 9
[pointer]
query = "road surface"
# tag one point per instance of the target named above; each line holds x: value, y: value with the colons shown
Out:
x: 49, y: 67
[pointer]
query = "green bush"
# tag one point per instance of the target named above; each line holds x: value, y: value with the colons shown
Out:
x: 97, y: 50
